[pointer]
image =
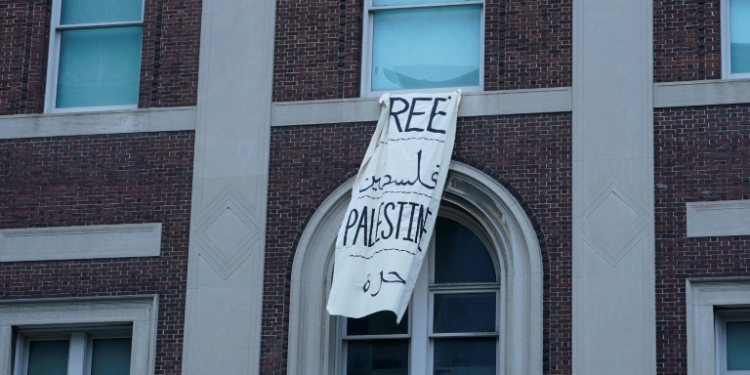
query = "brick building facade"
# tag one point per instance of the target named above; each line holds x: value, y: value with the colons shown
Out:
x: 195, y: 220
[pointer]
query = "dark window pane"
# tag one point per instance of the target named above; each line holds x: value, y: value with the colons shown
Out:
x: 378, y: 357
x: 469, y: 312
x: 465, y: 356
x: 111, y: 357
x: 460, y: 256
x: 379, y: 323
x: 738, y: 346
x: 48, y: 357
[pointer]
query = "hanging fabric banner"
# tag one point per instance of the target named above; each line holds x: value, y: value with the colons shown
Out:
x: 395, y: 199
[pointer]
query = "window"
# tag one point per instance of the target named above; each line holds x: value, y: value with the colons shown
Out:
x: 735, y: 38
x: 422, y: 45
x: 88, y: 350
x: 453, y: 313
x: 733, y: 341
x: 79, y: 336
x: 95, y: 55
x: 319, y: 343
x: 718, y: 325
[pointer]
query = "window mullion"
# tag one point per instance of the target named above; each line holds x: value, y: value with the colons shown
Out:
x: 464, y: 287
x: 99, y: 25
x: 420, y: 319
x: 375, y: 337
x: 77, y: 354
x: 426, y: 5
x: 465, y: 335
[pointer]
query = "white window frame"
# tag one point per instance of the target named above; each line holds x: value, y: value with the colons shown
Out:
x: 53, y: 65
x: 726, y: 44
x: 81, y: 342
x: 421, y: 312
x: 722, y: 317
x: 312, y: 332
x: 709, y: 301
x: 340, y: 356
x: 75, y: 316
x: 367, y: 20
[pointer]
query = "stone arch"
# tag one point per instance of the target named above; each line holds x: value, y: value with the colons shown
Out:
x: 517, y: 250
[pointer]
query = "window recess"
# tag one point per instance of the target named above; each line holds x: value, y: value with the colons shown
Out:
x: 73, y: 350
x: 94, y: 55
x: 423, y: 45
x: 735, y: 38
x: 733, y: 341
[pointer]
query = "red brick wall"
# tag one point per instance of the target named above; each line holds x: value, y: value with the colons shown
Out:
x: 171, y: 46
x: 319, y: 47
x: 169, y: 58
x: 702, y: 154
x: 107, y: 179
x: 24, y: 32
x: 538, y: 38
x: 687, y: 40
x: 530, y: 155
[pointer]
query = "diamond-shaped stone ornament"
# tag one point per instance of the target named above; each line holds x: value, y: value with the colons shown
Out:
x: 611, y: 222
x: 227, y: 236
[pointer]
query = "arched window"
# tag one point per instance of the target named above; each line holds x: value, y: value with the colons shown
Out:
x: 476, y: 308
x: 452, y: 325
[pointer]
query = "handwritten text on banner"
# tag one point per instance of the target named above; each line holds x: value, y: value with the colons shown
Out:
x: 395, y: 199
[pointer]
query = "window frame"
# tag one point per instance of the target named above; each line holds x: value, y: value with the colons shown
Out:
x: 455, y: 213
x: 708, y: 300
x: 726, y: 44
x: 722, y: 317
x: 367, y: 55
x: 21, y: 321
x: 80, y: 339
x: 421, y: 337
x: 53, y: 63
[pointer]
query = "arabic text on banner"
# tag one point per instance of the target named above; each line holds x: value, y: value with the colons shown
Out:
x: 395, y: 199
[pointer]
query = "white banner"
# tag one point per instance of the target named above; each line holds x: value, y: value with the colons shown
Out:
x: 395, y: 200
